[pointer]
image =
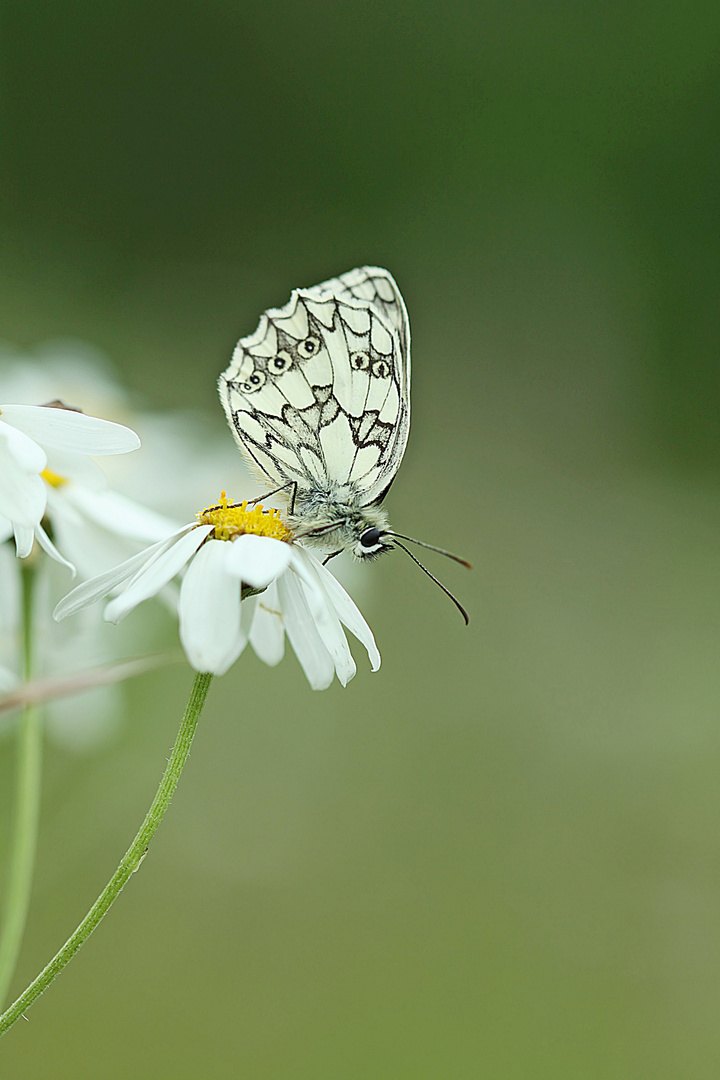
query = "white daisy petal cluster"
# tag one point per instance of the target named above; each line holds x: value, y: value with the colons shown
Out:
x: 229, y: 551
x: 42, y: 447
x: 93, y: 525
x: 84, y: 524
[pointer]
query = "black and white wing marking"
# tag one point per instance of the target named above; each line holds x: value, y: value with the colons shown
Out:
x: 378, y: 287
x: 319, y: 395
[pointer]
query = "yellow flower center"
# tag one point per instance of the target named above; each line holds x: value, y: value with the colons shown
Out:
x: 52, y: 478
x: 234, y: 519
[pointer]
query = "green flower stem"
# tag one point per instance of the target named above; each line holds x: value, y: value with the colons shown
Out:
x: 26, y: 810
x: 130, y: 861
x: 23, y: 845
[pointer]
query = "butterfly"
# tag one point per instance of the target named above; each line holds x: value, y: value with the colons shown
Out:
x: 318, y: 399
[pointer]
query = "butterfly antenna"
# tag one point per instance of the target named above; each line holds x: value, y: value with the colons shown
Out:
x: 432, y: 577
x: 431, y: 547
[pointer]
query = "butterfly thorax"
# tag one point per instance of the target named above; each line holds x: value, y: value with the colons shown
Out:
x: 332, y: 518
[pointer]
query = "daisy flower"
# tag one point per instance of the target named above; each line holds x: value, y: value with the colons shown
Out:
x: 93, y: 525
x: 228, y: 553
x: 43, y: 447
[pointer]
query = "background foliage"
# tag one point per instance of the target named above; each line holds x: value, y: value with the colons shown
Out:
x: 499, y: 855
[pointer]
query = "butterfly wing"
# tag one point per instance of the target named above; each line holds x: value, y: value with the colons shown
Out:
x: 319, y: 395
x: 377, y: 286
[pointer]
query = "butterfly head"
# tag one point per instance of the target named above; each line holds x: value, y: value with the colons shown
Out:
x: 371, y: 542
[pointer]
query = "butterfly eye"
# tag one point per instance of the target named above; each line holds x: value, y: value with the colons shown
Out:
x: 309, y: 347
x: 254, y: 382
x: 360, y: 361
x: 381, y: 369
x: 281, y: 363
x: 370, y: 538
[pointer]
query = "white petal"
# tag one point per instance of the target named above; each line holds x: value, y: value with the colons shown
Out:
x: 22, y: 493
x: 6, y: 529
x: 346, y: 609
x: 119, y: 515
x: 68, y: 430
x: 314, y: 658
x: 256, y: 560
x: 47, y: 545
x: 24, y: 540
x: 26, y: 453
x: 92, y: 549
x: 100, y: 586
x: 156, y: 573
x: 209, y: 611
x: 267, y: 633
x: 78, y: 468
x: 329, y: 628
x: 60, y: 508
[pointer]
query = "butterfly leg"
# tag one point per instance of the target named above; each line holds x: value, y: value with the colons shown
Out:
x: 290, y: 484
x: 332, y: 555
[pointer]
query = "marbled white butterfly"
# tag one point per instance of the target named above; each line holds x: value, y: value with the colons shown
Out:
x: 318, y: 399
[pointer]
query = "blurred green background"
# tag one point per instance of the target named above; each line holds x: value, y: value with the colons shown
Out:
x: 500, y: 856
